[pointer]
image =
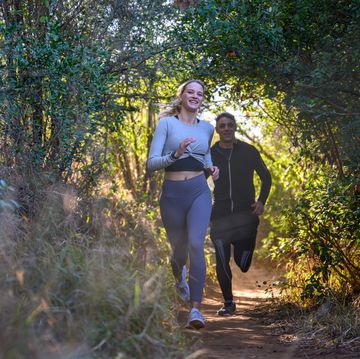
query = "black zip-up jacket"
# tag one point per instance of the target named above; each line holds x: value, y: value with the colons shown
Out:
x: 234, y: 189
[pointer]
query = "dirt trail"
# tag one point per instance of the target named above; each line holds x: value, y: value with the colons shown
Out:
x: 244, y: 335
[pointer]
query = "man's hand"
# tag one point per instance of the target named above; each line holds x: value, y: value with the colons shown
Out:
x: 258, y: 208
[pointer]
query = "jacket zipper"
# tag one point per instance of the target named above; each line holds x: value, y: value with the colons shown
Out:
x: 230, y: 184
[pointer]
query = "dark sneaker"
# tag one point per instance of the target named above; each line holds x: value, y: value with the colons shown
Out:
x: 196, y: 319
x: 227, y: 309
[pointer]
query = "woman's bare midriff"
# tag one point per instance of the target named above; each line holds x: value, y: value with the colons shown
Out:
x: 182, y: 175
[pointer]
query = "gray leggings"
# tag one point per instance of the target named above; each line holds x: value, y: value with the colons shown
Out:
x: 185, y: 211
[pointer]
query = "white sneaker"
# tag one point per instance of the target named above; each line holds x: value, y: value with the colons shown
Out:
x: 196, y: 319
x: 182, y: 287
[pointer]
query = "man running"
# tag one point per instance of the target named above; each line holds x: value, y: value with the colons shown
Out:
x: 235, y: 214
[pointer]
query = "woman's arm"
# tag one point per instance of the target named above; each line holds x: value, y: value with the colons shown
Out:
x: 156, y: 159
x: 207, y: 157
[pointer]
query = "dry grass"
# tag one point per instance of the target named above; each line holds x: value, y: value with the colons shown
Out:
x: 330, y: 328
x: 77, y: 282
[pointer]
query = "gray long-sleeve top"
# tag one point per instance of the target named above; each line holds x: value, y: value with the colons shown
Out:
x: 168, y: 134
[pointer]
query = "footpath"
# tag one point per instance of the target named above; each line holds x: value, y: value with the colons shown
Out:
x: 250, y: 334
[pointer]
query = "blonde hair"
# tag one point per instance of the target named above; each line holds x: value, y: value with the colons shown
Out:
x: 174, y: 107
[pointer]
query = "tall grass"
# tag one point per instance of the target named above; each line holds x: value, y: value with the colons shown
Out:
x: 73, y: 284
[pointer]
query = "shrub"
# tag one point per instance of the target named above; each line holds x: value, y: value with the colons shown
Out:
x: 324, y: 239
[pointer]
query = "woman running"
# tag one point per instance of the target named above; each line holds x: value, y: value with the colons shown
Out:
x: 181, y: 146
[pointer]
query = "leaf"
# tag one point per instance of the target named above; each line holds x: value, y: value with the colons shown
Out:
x: 43, y: 19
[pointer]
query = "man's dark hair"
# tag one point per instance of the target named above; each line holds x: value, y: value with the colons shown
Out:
x: 225, y: 114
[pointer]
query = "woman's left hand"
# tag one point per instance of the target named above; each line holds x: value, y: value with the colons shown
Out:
x: 214, y: 172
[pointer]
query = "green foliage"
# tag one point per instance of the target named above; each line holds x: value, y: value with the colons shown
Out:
x: 53, y: 85
x: 129, y: 139
x: 294, y: 66
x: 312, y: 216
x: 292, y: 47
x: 81, y: 84
x: 325, y: 236
x: 68, y: 74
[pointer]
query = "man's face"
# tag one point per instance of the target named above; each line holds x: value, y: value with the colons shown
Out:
x: 226, y: 127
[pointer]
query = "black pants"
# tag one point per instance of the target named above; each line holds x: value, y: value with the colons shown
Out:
x: 238, y: 230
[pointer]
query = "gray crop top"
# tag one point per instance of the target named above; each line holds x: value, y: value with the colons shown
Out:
x: 167, y: 137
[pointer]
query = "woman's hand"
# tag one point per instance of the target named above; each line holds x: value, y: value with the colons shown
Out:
x: 214, y: 172
x: 183, y: 145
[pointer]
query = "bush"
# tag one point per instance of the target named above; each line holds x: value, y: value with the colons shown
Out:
x: 324, y: 240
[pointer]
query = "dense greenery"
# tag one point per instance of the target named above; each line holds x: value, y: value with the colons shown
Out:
x: 313, y: 215
x: 80, y: 274
x: 307, y: 50
x: 52, y: 89
x: 305, y: 54
x: 81, y: 84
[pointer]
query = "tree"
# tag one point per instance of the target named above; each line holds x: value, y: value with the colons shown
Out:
x: 292, y: 47
x: 305, y: 55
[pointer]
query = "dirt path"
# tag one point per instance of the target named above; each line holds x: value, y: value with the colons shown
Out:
x: 245, y: 335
